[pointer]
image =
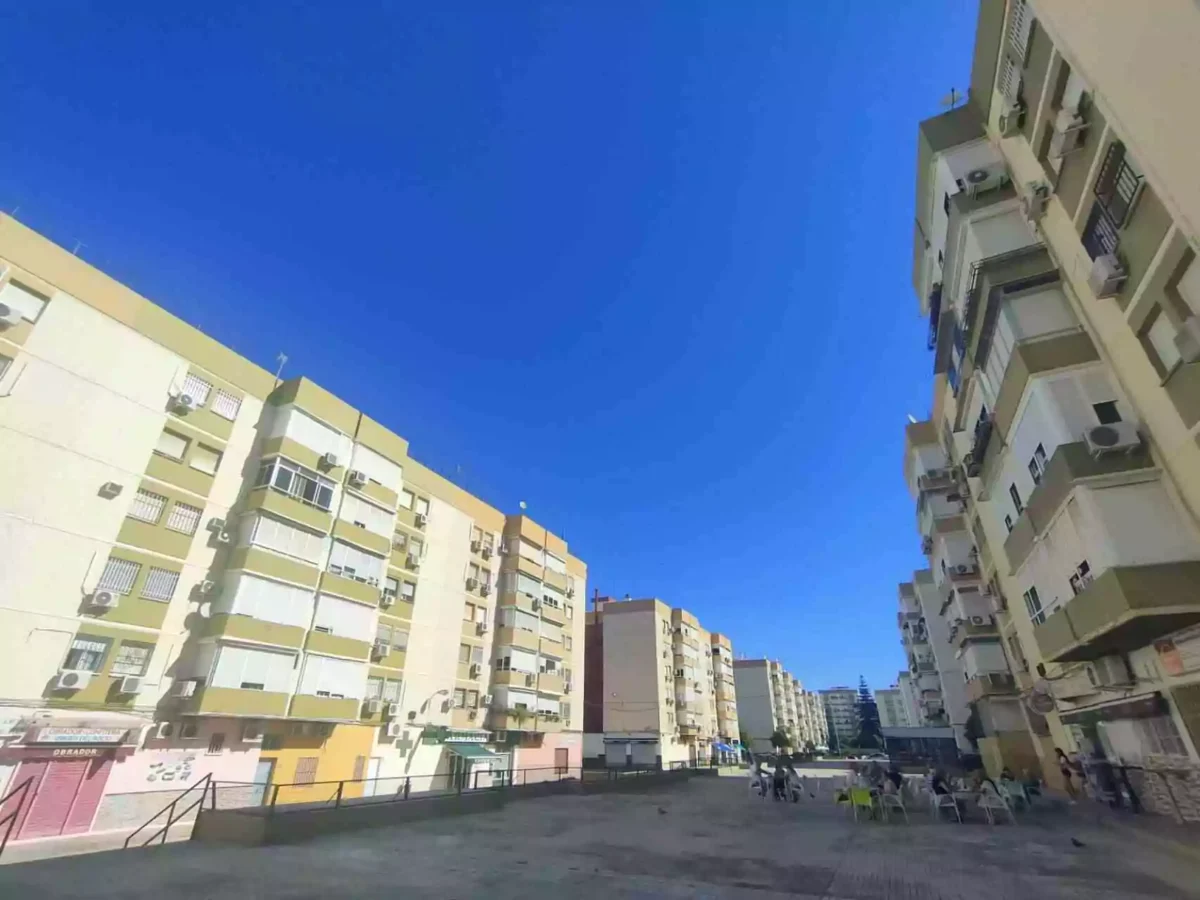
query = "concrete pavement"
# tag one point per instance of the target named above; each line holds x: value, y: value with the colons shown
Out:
x: 705, y: 838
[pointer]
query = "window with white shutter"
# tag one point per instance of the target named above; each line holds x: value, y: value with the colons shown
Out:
x: 367, y: 515
x: 160, y: 584
x: 27, y: 302
x: 205, y: 459
x: 277, y: 535
x: 325, y: 676
x: 147, y: 506
x: 226, y: 405
x: 271, y: 601
x: 172, y: 445
x: 377, y: 468
x: 344, y: 618
x: 351, y: 562
x: 118, y: 576
x: 196, y: 388
x: 257, y: 670
x: 184, y: 518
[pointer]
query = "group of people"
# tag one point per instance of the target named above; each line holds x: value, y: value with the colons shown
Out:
x: 784, y: 783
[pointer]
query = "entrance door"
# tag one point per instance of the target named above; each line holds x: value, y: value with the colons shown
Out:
x: 262, y: 778
x: 561, y: 761
x: 54, y: 797
x: 372, y: 785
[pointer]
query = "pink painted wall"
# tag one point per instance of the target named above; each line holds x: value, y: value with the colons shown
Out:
x: 172, y: 763
x: 543, y: 757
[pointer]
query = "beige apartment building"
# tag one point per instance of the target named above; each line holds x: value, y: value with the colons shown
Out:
x: 769, y: 699
x: 210, y: 571
x: 1055, y: 254
x: 660, y: 687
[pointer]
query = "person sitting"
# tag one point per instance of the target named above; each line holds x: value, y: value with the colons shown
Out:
x: 939, y: 784
x: 895, y: 777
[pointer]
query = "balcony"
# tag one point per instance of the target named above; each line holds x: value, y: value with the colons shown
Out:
x: 552, y: 613
x: 312, y: 707
x: 514, y: 678
x: 209, y: 700
x: 978, y: 628
x: 508, y: 636
x: 980, y: 440
x: 992, y: 684
x: 1069, y: 464
x: 1123, y: 609
x: 689, y: 729
x: 258, y: 631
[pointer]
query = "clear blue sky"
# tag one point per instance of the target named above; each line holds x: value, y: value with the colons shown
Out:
x: 642, y: 265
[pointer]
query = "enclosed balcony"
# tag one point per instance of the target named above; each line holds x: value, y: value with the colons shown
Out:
x: 991, y: 684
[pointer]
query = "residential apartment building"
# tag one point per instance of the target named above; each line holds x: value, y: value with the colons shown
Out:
x: 815, y: 725
x: 659, y: 686
x: 760, y: 685
x: 1055, y: 252
x: 841, y: 715
x: 209, y: 571
x: 925, y: 682
x: 893, y: 711
x: 909, y: 694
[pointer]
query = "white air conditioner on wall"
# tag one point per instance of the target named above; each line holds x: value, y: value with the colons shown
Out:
x: 130, y: 684
x: 9, y: 316
x: 393, y: 710
x: 1034, y: 200
x: 1110, y: 671
x: 357, y: 478
x: 329, y: 460
x: 1069, y: 129
x: 984, y: 179
x: 372, y: 707
x: 72, y: 680
x: 184, y: 688
x: 1010, y: 117
x: 103, y: 600
x: 1117, y: 437
x: 1107, y: 275
x: 392, y: 729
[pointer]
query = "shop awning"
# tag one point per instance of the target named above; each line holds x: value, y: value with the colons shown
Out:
x: 724, y: 747
x: 470, y: 751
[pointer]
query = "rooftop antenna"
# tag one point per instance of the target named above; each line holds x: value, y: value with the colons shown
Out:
x: 912, y: 419
x: 952, y: 99
x: 282, y: 360
x: 79, y: 245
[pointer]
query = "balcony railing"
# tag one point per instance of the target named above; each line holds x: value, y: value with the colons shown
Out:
x: 935, y: 312
x: 1100, y: 236
x: 979, y: 445
x: 1118, y: 185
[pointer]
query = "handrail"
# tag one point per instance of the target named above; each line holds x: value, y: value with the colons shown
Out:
x: 169, y: 809
x: 11, y: 819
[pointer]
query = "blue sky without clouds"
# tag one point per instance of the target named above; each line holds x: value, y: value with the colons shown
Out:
x: 644, y: 266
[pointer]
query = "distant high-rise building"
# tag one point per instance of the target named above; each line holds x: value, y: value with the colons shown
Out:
x: 892, y: 710
x: 841, y: 714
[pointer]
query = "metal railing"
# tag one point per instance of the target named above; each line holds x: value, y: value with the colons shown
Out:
x: 9, y: 821
x: 203, y: 785
x: 1117, y: 185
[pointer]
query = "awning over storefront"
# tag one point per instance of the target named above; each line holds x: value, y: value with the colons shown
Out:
x: 470, y: 751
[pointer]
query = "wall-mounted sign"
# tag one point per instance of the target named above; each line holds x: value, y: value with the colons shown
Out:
x: 77, y: 752
x: 59, y: 734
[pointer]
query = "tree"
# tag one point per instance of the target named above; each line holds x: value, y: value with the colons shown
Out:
x: 870, y: 732
x: 779, y: 740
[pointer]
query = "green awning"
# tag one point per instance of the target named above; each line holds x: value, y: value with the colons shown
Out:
x: 470, y: 751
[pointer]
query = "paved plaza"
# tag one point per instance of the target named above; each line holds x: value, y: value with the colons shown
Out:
x: 707, y: 837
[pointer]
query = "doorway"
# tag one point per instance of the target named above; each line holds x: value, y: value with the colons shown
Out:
x: 262, y: 777
x: 64, y: 795
x: 371, y: 787
x: 562, y: 760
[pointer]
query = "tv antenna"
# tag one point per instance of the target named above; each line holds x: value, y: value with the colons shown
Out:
x: 952, y: 99
x: 282, y: 360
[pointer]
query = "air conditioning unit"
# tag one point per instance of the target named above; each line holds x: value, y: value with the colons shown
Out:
x: 472, y: 714
x: 979, y: 620
x: 357, y: 478
x: 485, y: 589
x: 329, y: 460
x: 392, y: 729
x: 419, y: 520
x: 1110, y: 671
x: 1117, y: 437
x: 103, y: 600
x: 216, y: 524
x: 1010, y: 118
x: 372, y: 707
x: 1107, y: 275
x: 537, y: 604
x: 393, y: 710
x: 183, y: 403
x: 482, y: 628
x: 72, y: 680
x: 1187, y: 339
x: 206, y: 587
x: 130, y: 684
x: 981, y: 180
x: 486, y: 552
x: 110, y: 489
x: 472, y: 584
x: 1034, y: 200
x: 476, y: 546
x: 962, y: 569
x: 9, y: 316
x: 224, y: 537
x: 473, y: 672
x: 386, y: 601
x: 380, y: 649
x: 1069, y: 129
x: 530, y: 680
x: 184, y: 688
x: 570, y: 590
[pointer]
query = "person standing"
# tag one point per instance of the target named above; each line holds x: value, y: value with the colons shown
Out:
x: 1068, y: 772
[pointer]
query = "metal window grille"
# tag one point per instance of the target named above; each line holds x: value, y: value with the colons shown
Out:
x: 118, y: 576
x: 131, y: 659
x: 1019, y: 27
x: 306, y: 770
x: 87, y: 654
x: 184, y: 519
x: 226, y: 404
x: 147, y: 506
x: 1117, y: 184
x: 196, y: 388
x: 160, y: 584
x: 1010, y: 78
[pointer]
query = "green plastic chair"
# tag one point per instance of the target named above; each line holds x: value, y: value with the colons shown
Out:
x: 860, y: 798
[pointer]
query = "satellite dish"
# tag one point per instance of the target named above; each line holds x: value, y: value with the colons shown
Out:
x: 1040, y: 698
x: 522, y: 505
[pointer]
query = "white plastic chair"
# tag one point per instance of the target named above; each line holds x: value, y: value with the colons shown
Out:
x: 947, y: 801
x: 990, y: 802
x: 892, y: 801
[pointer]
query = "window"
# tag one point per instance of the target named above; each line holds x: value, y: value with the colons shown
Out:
x: 184, y: 518
x: 147, y: 507
x: 1037, y: 464
x: 216, y: 743
x: 118, y: 576
x: 468, y: 612
x: 287, y: 539
x: 1160, y: 334
x: 391, y: 690
x: 1016, y: 499
x: 416, y: 547
x: 566, y: 711
x: 464, y: 653
x: 172, y: 445
x: 568, y: 610
x: 358, y: 565
x: 196, y: 388
x: 422, y: 506
x: 1008, y: 523
x: 460, y: 698
x: 132, y: 658
x: 366, y: 515
x: 325, y: 676
x: 268, y: 600
x: 1106, y: 412
x: 391, y: 587
x: 254, y: 670
x: 160, y: 584
x: 29, y: 303
x: 306, y: 770
x: 226, y: 405
x: 345, y: 618
x: 408, y: 590
x: 5, y: 362
x: 567, y: 642
x: 1033, y: 605
x: 374, y: 689
x: 296, y: 481
x: 476, y: 534
x: 1081, y: 580
x: 87, y: 654
x: 1161, y: 736
x: 377, y: 468
x: 205, y: 459
x: 406, y: 499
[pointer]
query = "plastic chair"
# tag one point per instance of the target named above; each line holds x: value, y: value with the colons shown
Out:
x: 860, y: 798
x: 1015, y: 794
x: 940, y: 801
x: 990, y: 802
x: 892, y: 801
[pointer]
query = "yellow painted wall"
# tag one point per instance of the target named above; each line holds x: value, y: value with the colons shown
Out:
x: 336, y: 755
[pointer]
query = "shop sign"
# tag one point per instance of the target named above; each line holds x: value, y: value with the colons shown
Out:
x: 76, y: 752
x: 59, y: 734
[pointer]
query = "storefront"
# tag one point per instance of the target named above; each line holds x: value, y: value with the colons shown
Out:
x: 66, y: 765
